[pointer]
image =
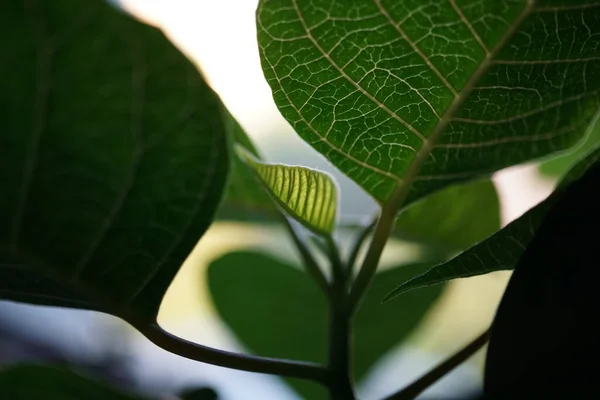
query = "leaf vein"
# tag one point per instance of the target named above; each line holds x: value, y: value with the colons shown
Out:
x: 352, y: 81
x: 469, y: 26
x: 529, y: 113
x: 416, y: 48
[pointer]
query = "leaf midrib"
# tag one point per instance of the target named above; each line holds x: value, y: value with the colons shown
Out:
x: 403, y: 184
x: 401, y: 192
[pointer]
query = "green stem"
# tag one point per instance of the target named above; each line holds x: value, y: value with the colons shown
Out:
x: 417, y: 387
x: 194, y: 351
x: 339, y: 366
x: 311, y: 265
x: 382, y: 232
x: 176, y: 345
x: 339, y: 273
x: 358, y: 244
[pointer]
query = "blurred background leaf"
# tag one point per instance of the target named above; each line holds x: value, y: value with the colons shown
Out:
x: 502, y: 250
x: 244, y: 198
x: 556, y: 167
x: 453, y: 218
x: 276, y: 310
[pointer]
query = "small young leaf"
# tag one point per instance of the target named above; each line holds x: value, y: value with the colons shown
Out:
x: 502, y: 250
x: 544, y: 340
x: 38, y: 382
x: 277, y: 311
x: 307, y: 195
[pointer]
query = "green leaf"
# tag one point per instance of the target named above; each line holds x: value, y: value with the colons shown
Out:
x: 37, y: 382
x: 454, y: 218
x: 276, y: 310
x: 308, y: 195
x: 113, y: 153
x: 562, y: 164
x: 501, y: 251
x: 243, y: 199
x: 406, y: 97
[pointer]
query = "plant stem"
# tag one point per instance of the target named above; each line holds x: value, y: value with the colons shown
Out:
x: 194, y: 351
x: 339, y: 273
x: 417, y: 387
x: 176, y: 345
x: 384, y: 227
x: 311, y: 265
x: 339, y: 366
x: 360, y: 240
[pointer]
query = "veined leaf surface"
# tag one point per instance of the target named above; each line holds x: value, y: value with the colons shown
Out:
x: 502, y: 250
x: 406, y: 97
x: 308, y: 195
x: 113, y: 157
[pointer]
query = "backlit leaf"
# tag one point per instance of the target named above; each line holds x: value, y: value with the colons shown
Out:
x: 406, y: 97
x: 308, y: 195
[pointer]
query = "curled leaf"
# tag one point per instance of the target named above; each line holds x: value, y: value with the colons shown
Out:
x: 308, y: 195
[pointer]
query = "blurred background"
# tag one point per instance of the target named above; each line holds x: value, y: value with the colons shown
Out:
x: 220, y: 37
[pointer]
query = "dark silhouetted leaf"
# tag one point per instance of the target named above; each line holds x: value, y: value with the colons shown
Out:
x: 544, y: 339
x: 36, y: 382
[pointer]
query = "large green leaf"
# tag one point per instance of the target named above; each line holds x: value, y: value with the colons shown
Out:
x: 452, y: 219
x: 308, y: 195
x: 406, y: 97
x: 37, y: 382
x: 501, y: 251
x: 112, y: 153
x: 276, y: 310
